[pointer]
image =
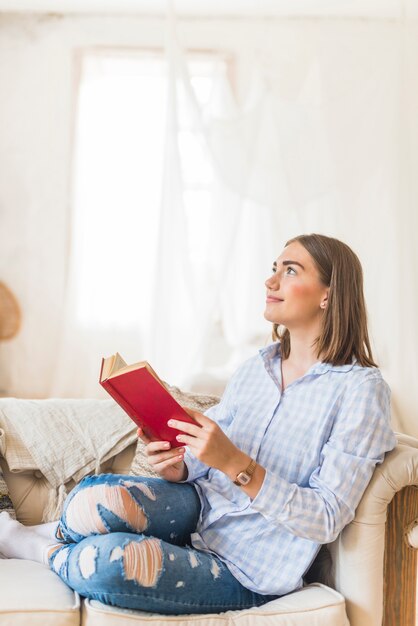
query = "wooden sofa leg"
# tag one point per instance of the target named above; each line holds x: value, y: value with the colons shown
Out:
x: 400, y: 562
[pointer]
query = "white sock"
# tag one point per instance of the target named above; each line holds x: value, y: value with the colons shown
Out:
x: 22, y: 542
x: 47, y: 530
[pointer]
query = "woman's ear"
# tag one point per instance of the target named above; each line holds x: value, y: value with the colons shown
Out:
x: 324, y: 301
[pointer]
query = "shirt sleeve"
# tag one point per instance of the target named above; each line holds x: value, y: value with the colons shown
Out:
x: 222, y: 413
x: 360, y: 437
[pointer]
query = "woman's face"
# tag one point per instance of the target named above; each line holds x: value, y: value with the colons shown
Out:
x: 296, y: 297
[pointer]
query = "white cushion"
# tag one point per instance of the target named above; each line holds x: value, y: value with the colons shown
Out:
x: 31, y: 594
x: 315, y: 605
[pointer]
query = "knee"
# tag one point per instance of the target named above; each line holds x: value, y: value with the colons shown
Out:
x: 82, y: 513
x: 106, y: 565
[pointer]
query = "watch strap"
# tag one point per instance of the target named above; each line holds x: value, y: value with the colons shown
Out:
x: 249, y: 471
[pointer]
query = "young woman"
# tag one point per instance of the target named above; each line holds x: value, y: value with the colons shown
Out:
x: 264, y: 478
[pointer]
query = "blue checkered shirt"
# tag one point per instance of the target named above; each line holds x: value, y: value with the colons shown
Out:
x: 318, y: 440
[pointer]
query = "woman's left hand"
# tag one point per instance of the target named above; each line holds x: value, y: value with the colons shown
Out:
x: 207, y: 441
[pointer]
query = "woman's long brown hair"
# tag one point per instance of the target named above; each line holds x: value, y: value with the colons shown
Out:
x: 344, y: 333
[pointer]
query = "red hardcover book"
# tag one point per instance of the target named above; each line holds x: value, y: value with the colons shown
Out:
x: 141, y: 393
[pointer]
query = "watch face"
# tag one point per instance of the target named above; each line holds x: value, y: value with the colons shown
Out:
x: 243, y: 478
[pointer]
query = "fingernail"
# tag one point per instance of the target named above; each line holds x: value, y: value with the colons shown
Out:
x: 166, y: 445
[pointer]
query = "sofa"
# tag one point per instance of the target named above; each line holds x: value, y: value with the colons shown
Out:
x: 366, y: 577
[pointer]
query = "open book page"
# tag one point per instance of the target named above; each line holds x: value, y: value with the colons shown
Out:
x: 115, y: 365
x: 111, y: 365
x: 118, y: 363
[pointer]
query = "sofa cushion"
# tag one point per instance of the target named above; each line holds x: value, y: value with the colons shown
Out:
x: 315, y: 605
x: 197, y: 401
x: 30, y: 593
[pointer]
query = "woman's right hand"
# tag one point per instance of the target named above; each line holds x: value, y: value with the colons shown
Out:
x: 166, y: 461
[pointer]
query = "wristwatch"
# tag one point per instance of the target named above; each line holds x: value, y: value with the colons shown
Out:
x: 243, y: 478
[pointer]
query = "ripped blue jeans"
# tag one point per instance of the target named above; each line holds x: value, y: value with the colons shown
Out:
x: 125, y: 540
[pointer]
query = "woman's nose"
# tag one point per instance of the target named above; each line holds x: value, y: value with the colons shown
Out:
x: 272, y: 282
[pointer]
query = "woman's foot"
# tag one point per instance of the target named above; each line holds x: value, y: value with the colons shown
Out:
x: 22, y: 542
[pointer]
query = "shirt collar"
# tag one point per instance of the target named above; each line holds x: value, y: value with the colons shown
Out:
x: 274, y: 350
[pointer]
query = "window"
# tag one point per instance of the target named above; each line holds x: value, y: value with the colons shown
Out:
x: 118, y: 173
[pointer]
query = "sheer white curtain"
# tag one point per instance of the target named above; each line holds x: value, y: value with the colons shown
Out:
x: 325, y: 140
x: 154, y: 287
x: 239, y: 245
x: 113, y: 236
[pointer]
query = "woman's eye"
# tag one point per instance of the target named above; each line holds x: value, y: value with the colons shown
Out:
x: 273, y: 270
x: 290, y: 269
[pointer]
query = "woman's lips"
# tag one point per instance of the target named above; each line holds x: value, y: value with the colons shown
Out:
x: 269, y: 299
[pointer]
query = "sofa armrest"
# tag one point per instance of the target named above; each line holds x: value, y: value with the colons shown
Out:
x: 400, y: 561
x: 372, y: 565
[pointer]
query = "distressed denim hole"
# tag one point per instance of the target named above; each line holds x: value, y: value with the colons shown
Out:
x: 83, y: 517
x: 59, y: 559
x: 142, y: 561
x: 215, y: 570
x: 147, y: 491
x: 87, y: 561
x: 116, y: 554
x: 193, y: 560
